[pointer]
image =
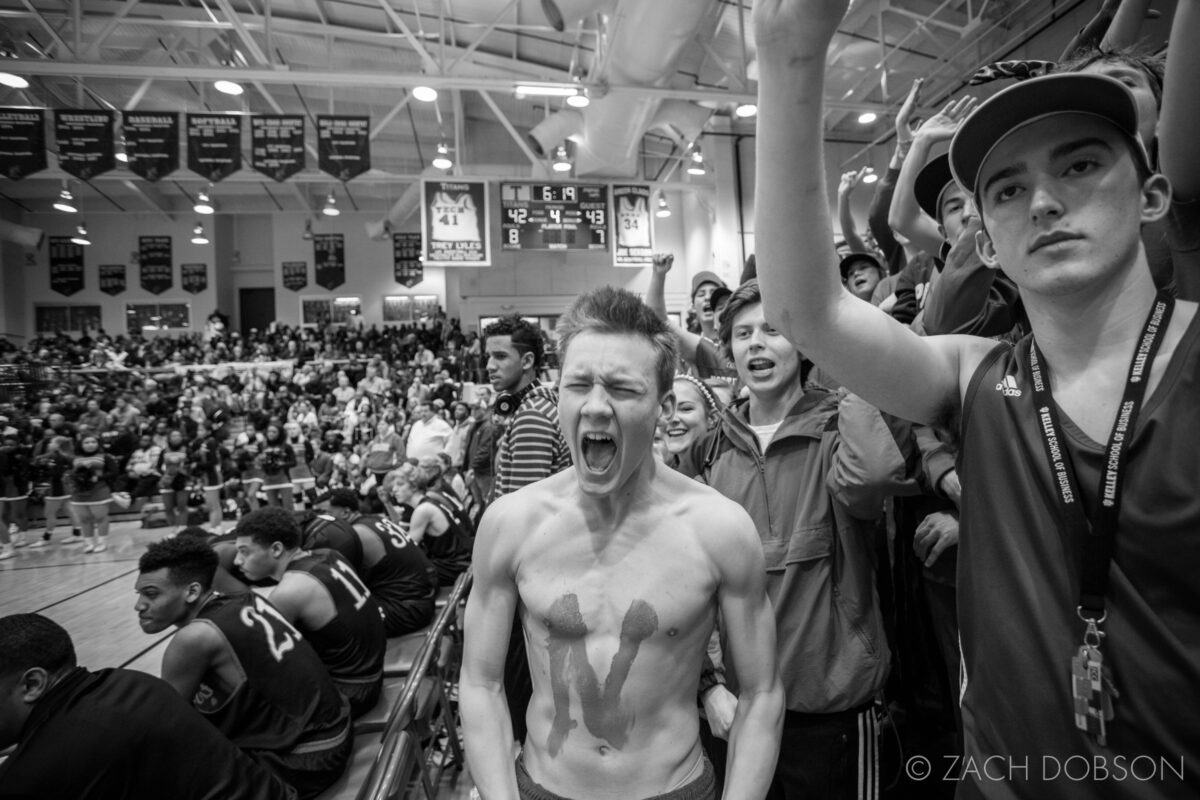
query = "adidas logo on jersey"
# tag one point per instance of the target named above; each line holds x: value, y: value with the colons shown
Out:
x: 1008, y: 387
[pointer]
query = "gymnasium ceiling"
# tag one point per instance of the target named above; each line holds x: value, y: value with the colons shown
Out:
x: 672, y: 69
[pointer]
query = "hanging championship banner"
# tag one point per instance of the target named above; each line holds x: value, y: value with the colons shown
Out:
x: 112, y: 279
x: 329, y: 258
x: 277, y: 145
x: 66, y: 266
x: 634, y: 241
x: 214, y: 145
x: 152, y: 143
x: 406, y: 259
x: 295, y: 275
x: 22, y: 142
x: 154, y: 262
x: 193, y: 277
x: 454, y: 218
x: 85, y: 142
x: 344, y: 146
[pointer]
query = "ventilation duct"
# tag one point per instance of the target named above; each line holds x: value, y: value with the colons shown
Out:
x: 643, y: 43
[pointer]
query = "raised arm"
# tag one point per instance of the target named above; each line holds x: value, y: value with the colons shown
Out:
x: 1179, y: 148
x: 846, y: 187
x: 1126, y: 24
x: 862, y: 347
x: 487, y: 726
x: 749, y: 626
x: 656, y: 298
x: 905, y: 216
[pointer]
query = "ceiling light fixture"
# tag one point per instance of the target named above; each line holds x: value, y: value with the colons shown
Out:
x: 562, y: 162
x: 744, y: 110
x: 581, y: 99
x: 122, y: 153
x: 308, y: 234
x: 331, y: 209
x: 696, y: 167
x: 65, y: 202
x: 544, y: 90
x: 869, y: 176
x: 228, y: 87
x: 426, y: 94
x: 198, y: 235
x: 441, y: 159
x: 663, y: 210
x: 81, y: 235
x: 867, y: 117
x: 203, y: 204
x: 13, y: 81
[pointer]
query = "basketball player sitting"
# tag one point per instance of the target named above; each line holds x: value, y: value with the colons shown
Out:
x: 243, y: 666
x: 320, y: 593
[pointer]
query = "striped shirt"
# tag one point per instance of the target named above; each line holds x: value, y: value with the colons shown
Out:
x: 533, y: 447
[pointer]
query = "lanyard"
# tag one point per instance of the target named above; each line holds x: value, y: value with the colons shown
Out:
x: 1097, y: 535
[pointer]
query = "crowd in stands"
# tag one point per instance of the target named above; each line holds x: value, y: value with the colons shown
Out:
x: 819, y: 401
x: 226, y: 423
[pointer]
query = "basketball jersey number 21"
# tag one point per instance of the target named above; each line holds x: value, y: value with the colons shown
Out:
x: 454, y: 219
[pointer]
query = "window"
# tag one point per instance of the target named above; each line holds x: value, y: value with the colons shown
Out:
x: 409, y: 308
x: 157, y: 316
x: 329, y: 310
x: 55, y: 318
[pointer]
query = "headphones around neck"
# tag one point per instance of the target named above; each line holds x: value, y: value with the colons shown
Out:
x: 507, y: 403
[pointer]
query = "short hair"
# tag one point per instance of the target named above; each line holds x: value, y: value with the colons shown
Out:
x: 344, y: 498
x: 525, y: 336
x: 187, y: 558
x: 31, y: 640
x: 619, y: 311
x: 265, y: 526
x: 1152, y: 66
x: 745, y: 295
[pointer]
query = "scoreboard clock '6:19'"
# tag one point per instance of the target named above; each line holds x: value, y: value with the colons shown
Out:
x: 554, y: 216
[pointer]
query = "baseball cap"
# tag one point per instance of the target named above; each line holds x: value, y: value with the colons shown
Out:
x: 1034, y: 100
x: 718, y: 294
x: 704, y: 276
x: 856, y: 258
x: 931, y: 182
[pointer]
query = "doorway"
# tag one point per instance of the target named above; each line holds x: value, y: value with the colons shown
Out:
x: 256, y: 309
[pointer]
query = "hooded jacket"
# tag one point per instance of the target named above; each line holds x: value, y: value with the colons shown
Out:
x: 815, y: 496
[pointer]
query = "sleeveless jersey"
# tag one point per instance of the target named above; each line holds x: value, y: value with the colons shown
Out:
x: 324, y: 532
x: 633, y: 222
x: 1019, y: 579
x: 450, y: 552
x: 352, y: 644
x: 285, y: 697
x: 453, y: 218
x: 404, y: 576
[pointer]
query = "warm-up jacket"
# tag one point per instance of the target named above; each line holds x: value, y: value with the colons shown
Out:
x: 816, y: 496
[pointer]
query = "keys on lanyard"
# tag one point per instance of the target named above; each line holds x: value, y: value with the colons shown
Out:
x: 1092, y: 685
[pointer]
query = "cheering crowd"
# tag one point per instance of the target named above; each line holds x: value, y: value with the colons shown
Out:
x: 910, y: 512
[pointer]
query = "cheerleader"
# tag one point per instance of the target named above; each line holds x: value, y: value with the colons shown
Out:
x: 204, y: 456
x: 303, y: 480
x: 277, y: 461
x: 172, y: 466
x: 50, y: 471
x: 92, y: 474
x: 14, y: 493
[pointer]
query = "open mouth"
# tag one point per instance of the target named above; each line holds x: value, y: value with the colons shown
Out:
x: 598, y: 450
x: 760, y: 367
x: 677, y: 432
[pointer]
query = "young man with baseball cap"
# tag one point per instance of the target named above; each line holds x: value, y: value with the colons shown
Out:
x: 700, y: 350
x: 1080, y: 526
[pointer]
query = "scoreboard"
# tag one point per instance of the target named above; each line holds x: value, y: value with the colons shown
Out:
x: 554, y: 216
